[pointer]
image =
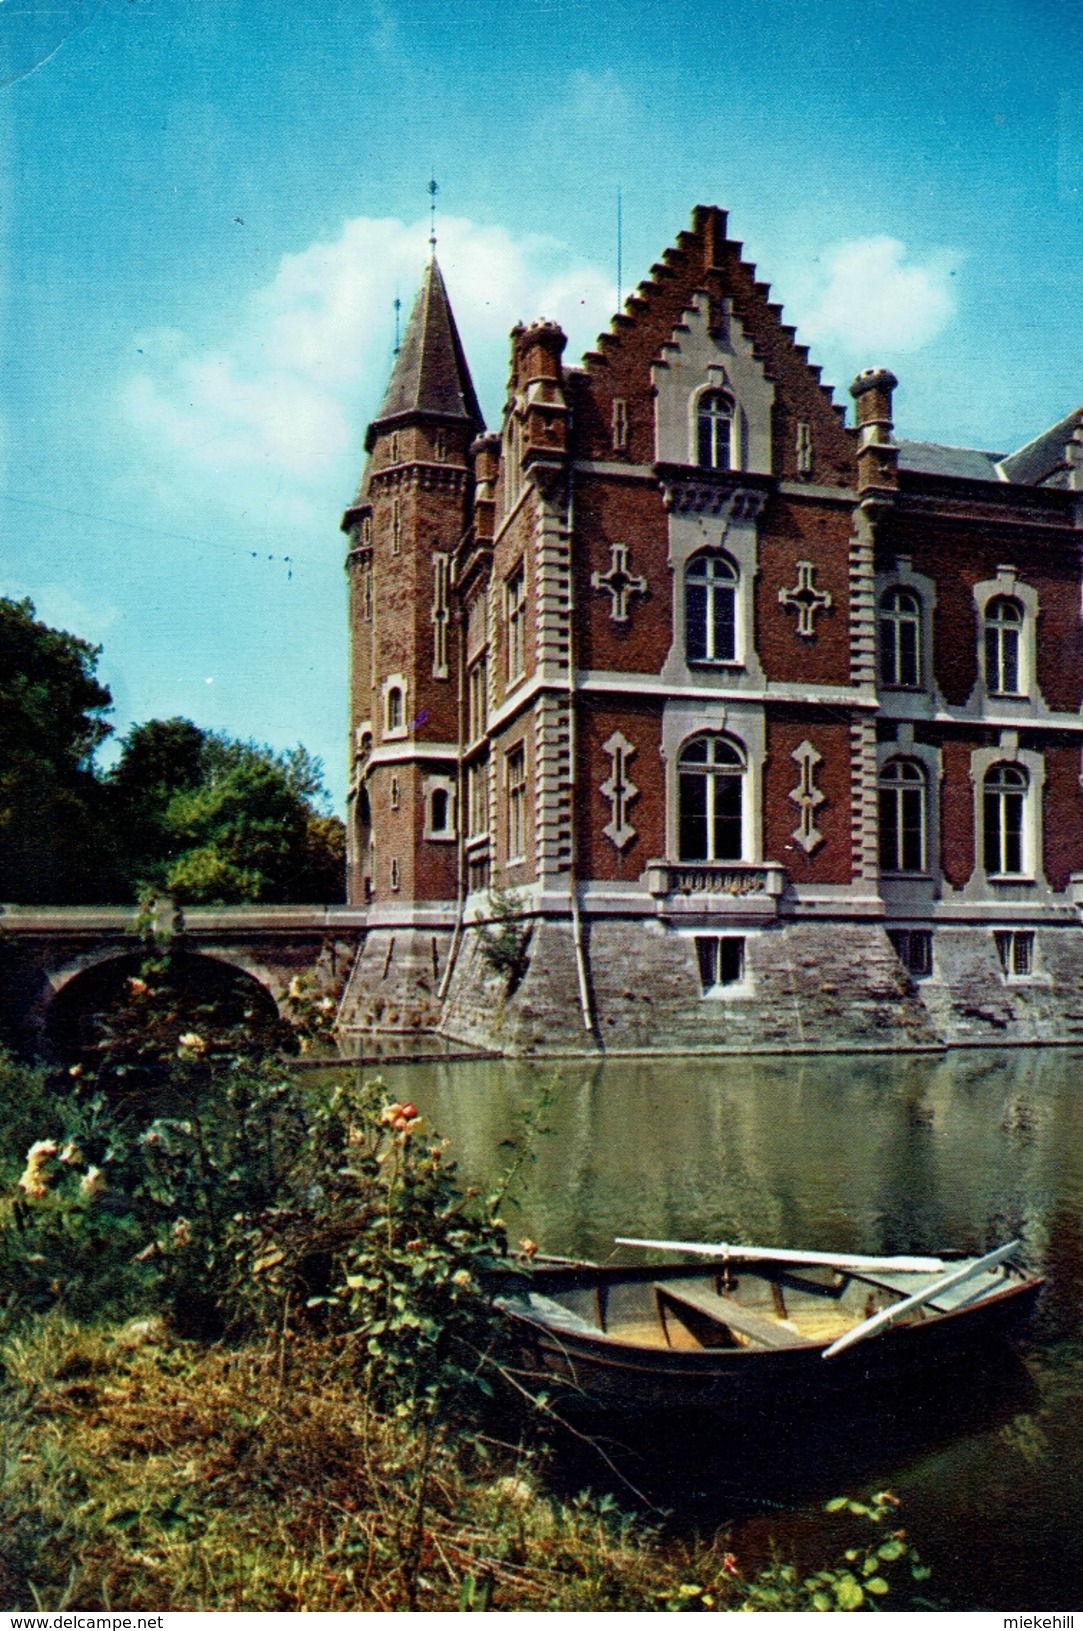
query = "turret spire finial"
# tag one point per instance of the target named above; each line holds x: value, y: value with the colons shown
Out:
x: 433, y: 190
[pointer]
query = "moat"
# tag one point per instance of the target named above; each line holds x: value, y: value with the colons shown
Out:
x: 873, y: 1153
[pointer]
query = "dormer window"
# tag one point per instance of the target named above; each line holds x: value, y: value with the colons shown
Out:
x: 714, y: 431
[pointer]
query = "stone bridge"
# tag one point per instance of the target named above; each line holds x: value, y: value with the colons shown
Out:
x: 47, y: 950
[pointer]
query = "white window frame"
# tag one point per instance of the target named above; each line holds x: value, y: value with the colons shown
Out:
x: 393, y: 683
x: 515, y: 622
x: 896, y: 618
x: 894, y: 784
x: 725, y: 774
x: 1007, y: 585
x: 720, y: 575
x: 515, y: 785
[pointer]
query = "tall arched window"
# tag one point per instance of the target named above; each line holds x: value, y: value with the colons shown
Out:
x: 1004, y: 805
x: 394, y: 708
x: 902, y: 816
x: 1003, y: 647
x: 900, y: 638
x: 714, y: 431
x: 710, y: 609
x: 711, y: 771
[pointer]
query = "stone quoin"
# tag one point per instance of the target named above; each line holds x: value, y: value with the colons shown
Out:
x: 752, y: 729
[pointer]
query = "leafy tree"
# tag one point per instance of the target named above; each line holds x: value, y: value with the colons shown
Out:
x: 209, y: 819
x: 51, y: 722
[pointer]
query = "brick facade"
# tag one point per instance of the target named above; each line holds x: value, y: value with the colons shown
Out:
x: 703, y: 675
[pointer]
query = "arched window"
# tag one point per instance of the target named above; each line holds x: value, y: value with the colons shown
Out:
x: 710, y: 609
x: 902, y: 816
x: 1003, y: 647
x: 900, y: 638
x: 714, y: 431
x: 711, y: 771
x: 1004, y: 804
x: 394, y: 708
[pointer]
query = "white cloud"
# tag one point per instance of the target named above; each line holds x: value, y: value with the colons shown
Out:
x: 274, y: 417
x: 872, y: 297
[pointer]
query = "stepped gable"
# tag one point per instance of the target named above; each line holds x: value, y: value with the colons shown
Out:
x: 1051, y: 459
x: 430, y: 376
x: 704, y: 260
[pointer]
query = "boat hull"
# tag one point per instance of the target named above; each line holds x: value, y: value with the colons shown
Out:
x: 598, y: 1371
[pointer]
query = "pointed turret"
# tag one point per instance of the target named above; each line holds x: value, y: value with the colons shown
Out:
x: 430, y: 375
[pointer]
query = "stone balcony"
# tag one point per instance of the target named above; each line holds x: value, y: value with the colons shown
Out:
x: 747, y: 889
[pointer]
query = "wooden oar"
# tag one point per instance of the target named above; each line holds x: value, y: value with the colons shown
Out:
x: 888, y: 1316
x: 779, y: 1254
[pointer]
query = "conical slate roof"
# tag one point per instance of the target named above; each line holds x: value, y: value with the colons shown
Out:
x: 430, y: 375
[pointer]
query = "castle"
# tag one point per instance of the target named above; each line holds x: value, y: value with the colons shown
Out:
x: 686, y: 716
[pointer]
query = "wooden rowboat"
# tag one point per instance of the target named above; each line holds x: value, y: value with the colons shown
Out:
x: 754, y: 1326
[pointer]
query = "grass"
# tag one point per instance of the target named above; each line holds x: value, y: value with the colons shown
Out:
x: 143, y: 1472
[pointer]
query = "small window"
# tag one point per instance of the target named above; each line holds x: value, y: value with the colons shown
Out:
x: 366, y: 594
x: 393, y: 447
x: 394, y: 792
x: 1003, y: 647
x: 396, y: 527
x: 366, y: 531
x: 477, y: 794
x: 440, y: 445
x: 620, y: 424
x: 394, y: 709
x: 900, y: 639
x: 516, y: 785
x: 394, y: 874
x: 515, y: 611
x: 721, y: 961
x: 714, y: 429
x: 1004, y: 800
x: 914, y: 949
x: 478, y: 697
x: 710, y: 609
x: 902, y: 816
x: 439, y: 810
x: 711, y: 773
x: 1015, y: 949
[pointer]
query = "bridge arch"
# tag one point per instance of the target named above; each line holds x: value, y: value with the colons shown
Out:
x: 97, y: 981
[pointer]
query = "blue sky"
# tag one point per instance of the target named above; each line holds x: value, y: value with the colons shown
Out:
x: 209, y: 206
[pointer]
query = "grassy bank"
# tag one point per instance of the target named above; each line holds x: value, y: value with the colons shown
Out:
x: 247, y: 1360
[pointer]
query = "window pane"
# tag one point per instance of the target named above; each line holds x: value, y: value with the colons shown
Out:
x: 727, y: 818
x: 889, y: 671
x: 910, y: 854
x: 695, y: 610
x: 724, y: 620
x: 693, y: 836
x: 1012, y: 806
x: 909, y: 672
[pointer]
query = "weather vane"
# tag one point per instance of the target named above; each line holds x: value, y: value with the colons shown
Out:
x: 433, y: 190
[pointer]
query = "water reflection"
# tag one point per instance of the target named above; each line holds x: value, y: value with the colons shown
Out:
x: 870, y: 1153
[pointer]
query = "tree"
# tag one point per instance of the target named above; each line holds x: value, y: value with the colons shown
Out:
x: 213, y: 820
x: 51, y: 722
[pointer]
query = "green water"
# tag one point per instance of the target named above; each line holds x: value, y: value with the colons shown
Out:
x: 871, y: 1154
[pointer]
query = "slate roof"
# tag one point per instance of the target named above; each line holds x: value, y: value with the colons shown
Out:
x: 430, y: 375
x: 1043, y: 462
x: 934, y: 459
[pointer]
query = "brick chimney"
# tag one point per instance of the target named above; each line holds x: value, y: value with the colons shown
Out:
x: 877, y: 454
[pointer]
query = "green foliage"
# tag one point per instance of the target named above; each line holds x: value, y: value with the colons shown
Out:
x: 504, y: 942
x: 51, y: 722
x: 217, y: 821
x: 860, y: 1579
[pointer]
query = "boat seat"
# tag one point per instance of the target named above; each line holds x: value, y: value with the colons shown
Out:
x: 759, y: 1328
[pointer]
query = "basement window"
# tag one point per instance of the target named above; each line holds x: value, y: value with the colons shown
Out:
x: 1015, y: 949
x: 721, y: 959
x: 914, y: 949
